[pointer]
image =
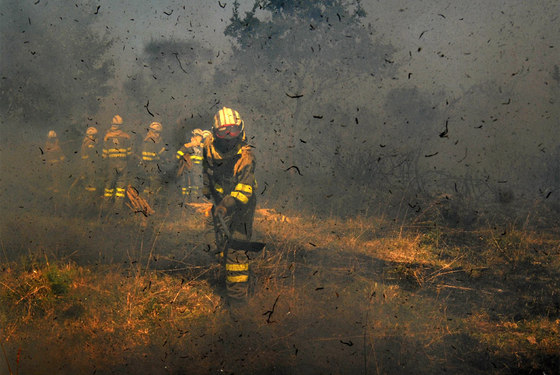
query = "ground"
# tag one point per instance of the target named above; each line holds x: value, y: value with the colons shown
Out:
x: 330, y: 295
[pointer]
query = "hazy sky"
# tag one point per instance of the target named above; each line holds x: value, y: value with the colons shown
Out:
x: 476, y: 37
x: 444, y: 49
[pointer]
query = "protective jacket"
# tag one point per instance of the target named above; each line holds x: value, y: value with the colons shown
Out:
x: 153, y: 150
x: 229, y: 174
x: 53, y: 152
x: 191, y: 154
x: 117, y: 148
x: 152, y: 162
x: 190, y: 165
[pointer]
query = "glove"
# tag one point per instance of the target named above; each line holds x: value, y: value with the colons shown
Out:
x: 225, y: 206
x: 220, y: 211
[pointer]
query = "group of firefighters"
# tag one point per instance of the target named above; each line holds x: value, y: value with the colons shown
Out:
x: 216, y: 165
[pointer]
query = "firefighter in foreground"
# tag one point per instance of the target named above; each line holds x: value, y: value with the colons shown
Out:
x: 229, y: 180
x: 117, y: 149
x: 153, y: 158
x: 190, y: 165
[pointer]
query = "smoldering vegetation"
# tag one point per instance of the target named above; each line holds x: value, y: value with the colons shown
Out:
x: 411, y: 209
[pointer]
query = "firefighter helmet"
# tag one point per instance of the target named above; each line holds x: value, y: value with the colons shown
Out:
x: 227, y: 124
x: 156, y: 126
x: 117, y: 120
x: 197, y: 133
x: 91, y: 131
x: 52, y: 134
x: 206, y: 133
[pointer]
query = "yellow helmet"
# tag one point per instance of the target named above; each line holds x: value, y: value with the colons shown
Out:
x: 206, y: 133
x: 52, y: 134
x: 156, y: 126
x: 91, y: 130
x: 117, y: 120
x: 228, y: 124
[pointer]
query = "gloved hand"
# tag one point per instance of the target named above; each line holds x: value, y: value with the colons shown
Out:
x: 220, y: 211
x: 225, y: 207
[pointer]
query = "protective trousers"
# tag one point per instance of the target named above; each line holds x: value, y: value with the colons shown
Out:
x: 116, y: 185
x: 236, y: 262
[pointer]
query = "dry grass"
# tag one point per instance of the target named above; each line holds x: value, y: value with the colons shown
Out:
x: 361, y: 294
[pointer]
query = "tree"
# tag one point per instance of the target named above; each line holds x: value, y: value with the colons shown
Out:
x: 54, y: 68
x: 306, y: 68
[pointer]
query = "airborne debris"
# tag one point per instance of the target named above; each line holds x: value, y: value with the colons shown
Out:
x: 443, y: 134
x: 295, y: 167
x: 271, y: 311
x: 148, y: 109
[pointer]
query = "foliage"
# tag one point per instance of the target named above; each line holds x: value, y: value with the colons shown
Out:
x: 54, y: 65
x: 323, y: 285
x: 308, y: 61
x: 170, y: 82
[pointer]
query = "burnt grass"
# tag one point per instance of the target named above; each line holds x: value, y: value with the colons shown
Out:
x: 325, y: 300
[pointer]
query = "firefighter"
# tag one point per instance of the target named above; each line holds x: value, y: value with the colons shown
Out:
x: 54, y: 158
x: 229, y: 180
x: 116, y: 153
x: 90, y: 160
x: 190, y: 166
x: 153, y: 158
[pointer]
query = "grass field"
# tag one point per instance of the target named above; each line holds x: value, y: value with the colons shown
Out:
x: 356, y: 295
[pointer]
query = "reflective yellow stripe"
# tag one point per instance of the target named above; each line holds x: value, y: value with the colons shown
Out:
x: 90, y: 188
x: 244, y: 188
x: 181, y: 153
x: 148, y: 153
x: 240, y: 196
x: 237, y: 279
x: 227, y: 116
x: 122, y: 150
x: 237, y: 267
x: 218, y: 188
x: 195, y: 157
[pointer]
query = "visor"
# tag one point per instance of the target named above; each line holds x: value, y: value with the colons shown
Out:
x: 228, y: 131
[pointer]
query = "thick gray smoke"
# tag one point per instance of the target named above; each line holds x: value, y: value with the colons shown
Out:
x: 368, y: 109
x: 349, y: 101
